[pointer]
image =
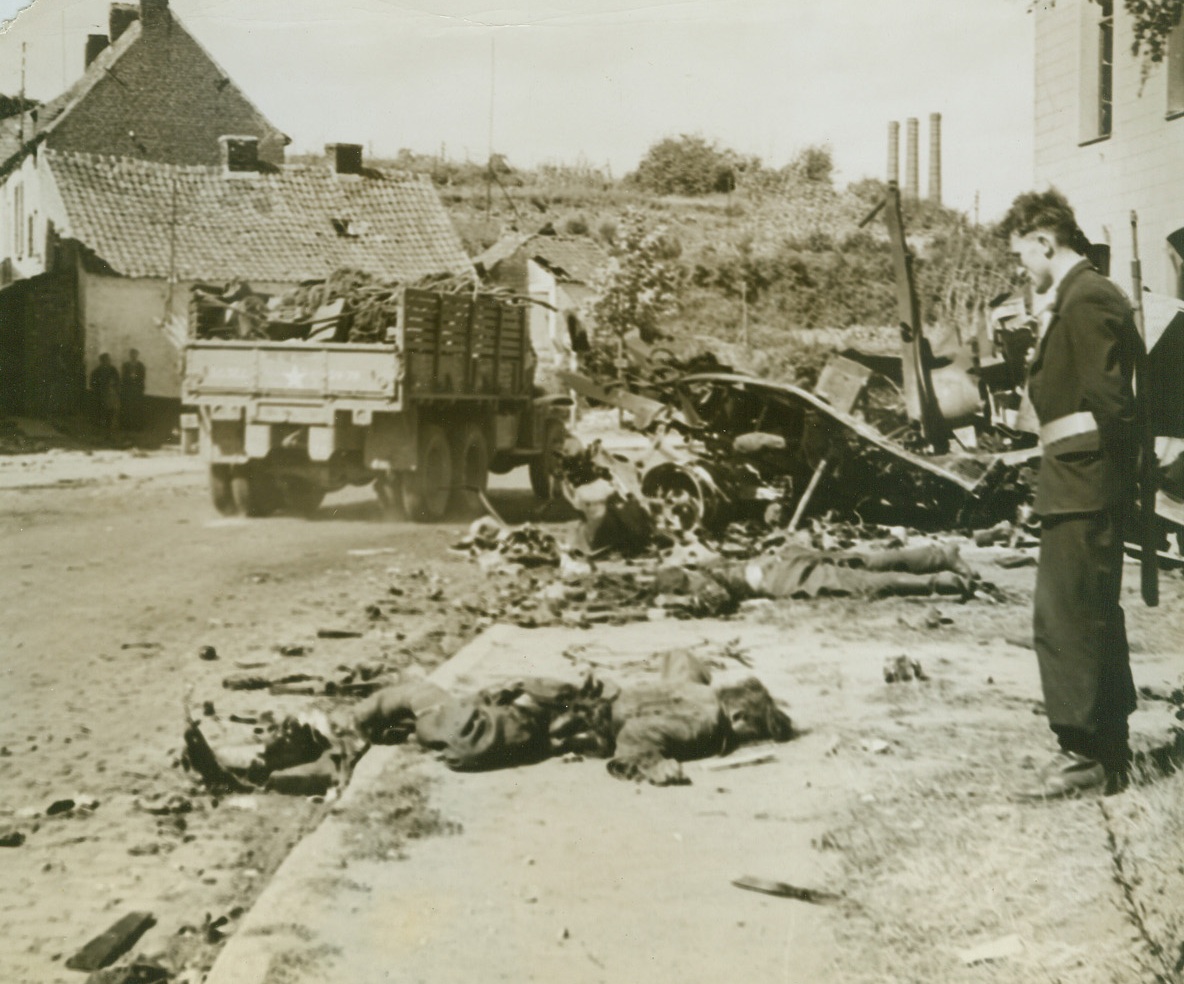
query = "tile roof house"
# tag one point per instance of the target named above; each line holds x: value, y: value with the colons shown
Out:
x: 150, y: 91
x: 147, y: 220
x: 128, y: 238
x: 561, y: 272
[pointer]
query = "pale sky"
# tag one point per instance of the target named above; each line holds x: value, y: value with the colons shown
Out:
x: 604, y: 79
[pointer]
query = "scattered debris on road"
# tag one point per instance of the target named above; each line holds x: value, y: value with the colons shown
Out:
x: 113, y: 943
x: 784, y: 890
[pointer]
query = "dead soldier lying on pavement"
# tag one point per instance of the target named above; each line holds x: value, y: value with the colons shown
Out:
x: 644, y: 730
x: 797, y: 571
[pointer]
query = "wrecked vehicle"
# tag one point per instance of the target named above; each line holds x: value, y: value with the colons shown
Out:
x: 727, y: 446
x: 421, y: 392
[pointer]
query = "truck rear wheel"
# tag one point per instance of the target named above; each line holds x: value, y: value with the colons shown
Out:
x: 544, y: 467
x: 220, y: 491
x: 470, y: 469
x: 303, y: 497
x: 254, y: 491
x: 426, y: 490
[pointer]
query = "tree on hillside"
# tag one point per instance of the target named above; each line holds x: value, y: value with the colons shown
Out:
x: 641, y: 284
x: 690, y: 165
x: 815, y: 164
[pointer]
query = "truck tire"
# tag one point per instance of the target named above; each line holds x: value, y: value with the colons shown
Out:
x: 389, y: 490
x: 426, y: 490
x: 302, y: 497
x: 544, y: 467
x: 220, y: 491
x: 470, y: 470
x: 254, y: 491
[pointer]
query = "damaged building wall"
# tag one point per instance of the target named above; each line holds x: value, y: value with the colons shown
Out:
x: 549, y: 326
x: 1135, y: 164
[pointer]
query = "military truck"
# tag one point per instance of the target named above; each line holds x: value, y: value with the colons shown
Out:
x: 425, y: 413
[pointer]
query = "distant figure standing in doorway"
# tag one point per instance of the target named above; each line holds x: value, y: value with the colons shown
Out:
x: 133, y: 377
x: 104, y: 391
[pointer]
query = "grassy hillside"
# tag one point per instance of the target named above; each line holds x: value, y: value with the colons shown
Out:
x: 780, y: 255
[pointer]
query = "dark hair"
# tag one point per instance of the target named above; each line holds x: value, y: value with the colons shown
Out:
x: 1046, y: 210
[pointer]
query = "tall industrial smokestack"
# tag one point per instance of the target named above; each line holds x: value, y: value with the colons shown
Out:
x: 935, y: 157
x: 894, y: 152
x: 912, y: 182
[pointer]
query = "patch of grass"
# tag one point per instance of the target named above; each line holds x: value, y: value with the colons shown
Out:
x: 304, y: 964
x: 1144, y: 831
x: 381, y: 821
x: 302, y: 933
x: 938, y: 866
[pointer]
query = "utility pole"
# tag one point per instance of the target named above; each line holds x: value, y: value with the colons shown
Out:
x: 24, y: 45
x: 744, y: 312
x: 489, y: 166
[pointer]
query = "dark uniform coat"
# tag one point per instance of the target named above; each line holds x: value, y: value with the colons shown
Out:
x: 1084, y: 365
x: 1081, y: 389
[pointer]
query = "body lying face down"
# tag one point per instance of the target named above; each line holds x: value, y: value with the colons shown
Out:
x: 645, y: 730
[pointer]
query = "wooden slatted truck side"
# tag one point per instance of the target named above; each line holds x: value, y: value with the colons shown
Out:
x: 424, y: 416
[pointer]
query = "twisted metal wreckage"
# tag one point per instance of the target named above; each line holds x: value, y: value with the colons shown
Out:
x: 915, y: 440
x: 923, y: 441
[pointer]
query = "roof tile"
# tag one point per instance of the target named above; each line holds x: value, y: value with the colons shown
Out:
x: 147, y: 219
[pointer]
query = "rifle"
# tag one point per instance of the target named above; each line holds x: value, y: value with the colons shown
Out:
x: 1148, y: 466
x: 920, y: 398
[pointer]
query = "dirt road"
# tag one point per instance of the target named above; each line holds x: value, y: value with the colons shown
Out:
x: 116, y: 571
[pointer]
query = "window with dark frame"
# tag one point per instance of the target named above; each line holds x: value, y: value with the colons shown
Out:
x: 1106, y: 68
x: 1175, y: 68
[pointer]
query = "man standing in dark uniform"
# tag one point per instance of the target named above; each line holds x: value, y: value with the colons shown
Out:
x: 131, y: 397
x: 1081, y: 389
x: 104, y: 388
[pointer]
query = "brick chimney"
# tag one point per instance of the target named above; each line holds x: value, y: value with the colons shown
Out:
x: 96, y: 44
x: 346, y: 157
x: 154, y: 13
x: 240, y: 154
x: 935, y: 157
x: 894, y: 152
x: 120, y: 17
x: 911, y: 178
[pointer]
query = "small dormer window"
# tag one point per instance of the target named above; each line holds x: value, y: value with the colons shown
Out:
x: 346, y: 157
x: 240, y: 155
